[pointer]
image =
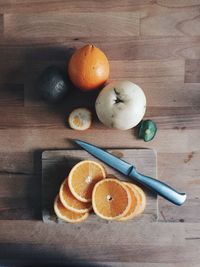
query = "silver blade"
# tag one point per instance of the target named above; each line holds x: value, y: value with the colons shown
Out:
x: 106, y: 157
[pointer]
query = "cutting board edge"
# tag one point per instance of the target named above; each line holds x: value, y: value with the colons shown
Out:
x: 52, y: 151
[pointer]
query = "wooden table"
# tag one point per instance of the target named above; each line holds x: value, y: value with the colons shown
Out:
x: 153, y: 43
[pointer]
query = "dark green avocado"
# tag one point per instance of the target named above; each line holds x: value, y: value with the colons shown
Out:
x: 147, y: 130
x: 52, y: 84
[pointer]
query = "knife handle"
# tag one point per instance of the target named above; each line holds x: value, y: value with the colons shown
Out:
x: 159, y: 187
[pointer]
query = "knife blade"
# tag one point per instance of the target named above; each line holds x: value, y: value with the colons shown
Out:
x: 129, y: 170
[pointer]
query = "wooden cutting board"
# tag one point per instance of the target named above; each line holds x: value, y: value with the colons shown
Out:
x: 56, y: 165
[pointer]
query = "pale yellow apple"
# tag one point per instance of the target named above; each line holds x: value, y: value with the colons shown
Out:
x: 121, y: 105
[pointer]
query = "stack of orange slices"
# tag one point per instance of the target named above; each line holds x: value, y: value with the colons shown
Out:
x: 87, y: 188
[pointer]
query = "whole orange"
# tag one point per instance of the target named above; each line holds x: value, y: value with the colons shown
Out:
x: 88, y: 68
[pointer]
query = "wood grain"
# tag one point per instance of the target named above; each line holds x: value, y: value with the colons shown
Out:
x: 167, y: 141
x: 149, y: 71
x: 63, y: 232
x: 55, y: 242
x: 87, y: 255
x: 186, y: 177
x: 24, y: 6
x: 1, y: 23
x: 192, y: 74
x: 116, y: 48
x: 11, y: 95
x: 174, y: 95
x: 38, y: 117
x: 177, y: 3
x: 20, y: 163
x: 20, y: 198
x: 141, y: 71
x: 158, y: 20
x: 62, y: 24
x: 146, y: 264
x: 58, y: 163
x: 187, y: 213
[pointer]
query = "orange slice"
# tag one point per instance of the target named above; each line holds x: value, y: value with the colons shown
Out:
x: 142, y: 200
x: 80, y: 119
x: 134, y: 203
x: 111, y: 199
x: 70, y: 202
x: 83, y: 177
x: 66, y: 214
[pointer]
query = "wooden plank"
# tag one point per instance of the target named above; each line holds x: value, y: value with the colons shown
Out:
x: 187, y: 176
x: 177, y: 3
x: 1, y: 23
x: 144, y: 71
x: 158, y: 20
x: 192, y: 71
x: 102, y: 253
x: 184, y: 178
x: 24, y: 6
x: 147, y: 264
x: 96, y: 235
x: 102, y: 264
x: 11, y: 95
x: 42, y: 50
x: 56, y: 117
x: 174, y: 94
x: 19, y: 186
x: 35, y: 117
x: 43, y: 116
x: 141, y: 72
x: 12, y: 72
x: 20, y: 197
x: 166, y: 245
x: 192, y: 233
x: 71, y: 24
x: 20, y: 163
x: 116, y: 48
x: 149, y: 70
x: 18, y: 72
x: 166, y: 141
x: 58, y: 163
x: 174, y: 118
x: 189, y: 212
x: 49, y: 117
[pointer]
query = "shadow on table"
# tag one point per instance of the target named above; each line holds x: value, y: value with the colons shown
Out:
x: 33, y: 61
x: 28, y: 255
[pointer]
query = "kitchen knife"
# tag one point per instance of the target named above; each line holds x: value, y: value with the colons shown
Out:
x: 129, y: 170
